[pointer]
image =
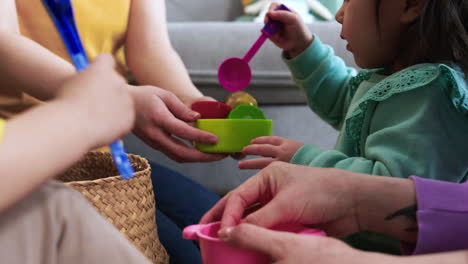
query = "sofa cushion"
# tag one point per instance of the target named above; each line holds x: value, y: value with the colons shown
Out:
x: 205, y: 10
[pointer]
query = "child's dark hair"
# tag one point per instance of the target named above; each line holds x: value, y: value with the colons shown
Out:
x: 440, y: 34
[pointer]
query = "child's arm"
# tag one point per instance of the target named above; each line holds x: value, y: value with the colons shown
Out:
x: 94, y: 109
x: 150, y: 55
x: 26, y: 65
x: 416, y: 132
x: 323, y: 76
x: 392, y: 151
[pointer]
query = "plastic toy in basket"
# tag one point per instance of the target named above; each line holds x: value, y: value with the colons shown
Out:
x: 236, y: 128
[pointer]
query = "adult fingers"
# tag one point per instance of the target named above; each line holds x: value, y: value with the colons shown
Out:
x: 215, y: 213
x: 249, y: 193
x: 175, y: 148
x: 271, y: 243
x: 165, y: 120
x: 177, y: 107
x: 269, y: 215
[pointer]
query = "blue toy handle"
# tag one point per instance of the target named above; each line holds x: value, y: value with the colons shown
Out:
x: 61, y: 13
x: 121, y: 160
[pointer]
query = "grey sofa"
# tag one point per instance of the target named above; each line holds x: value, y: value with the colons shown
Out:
x: 204, y: 35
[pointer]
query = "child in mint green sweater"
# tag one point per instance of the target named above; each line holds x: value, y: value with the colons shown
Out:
x: 405, y: 113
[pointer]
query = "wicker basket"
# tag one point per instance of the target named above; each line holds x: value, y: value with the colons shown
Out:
x: 127, y: 204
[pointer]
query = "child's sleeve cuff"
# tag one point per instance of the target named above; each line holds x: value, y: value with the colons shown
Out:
x: 306, y: 62
x: 305, y: 155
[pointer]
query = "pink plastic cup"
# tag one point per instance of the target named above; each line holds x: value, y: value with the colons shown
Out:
x: 215, y: 251
x: 234, y: 74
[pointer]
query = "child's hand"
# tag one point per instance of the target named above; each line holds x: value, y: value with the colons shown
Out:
x: 99, y: 100
x: 162, y: 120
x: 294, y: 37
x: 272, y: 149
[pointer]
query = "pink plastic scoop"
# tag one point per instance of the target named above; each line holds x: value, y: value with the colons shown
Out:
x: 215, y: 251
x: 234, y: 74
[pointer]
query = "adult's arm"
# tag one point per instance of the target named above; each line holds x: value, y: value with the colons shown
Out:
x: 26, y: 65
x: 150, y: 55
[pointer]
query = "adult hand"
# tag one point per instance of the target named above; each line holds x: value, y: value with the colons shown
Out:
x: 336, y: 201
x: 292, y: 193
x: 100, y: 99
x: 272, y: 149
x: 163, y: 120
x: 288, y: 248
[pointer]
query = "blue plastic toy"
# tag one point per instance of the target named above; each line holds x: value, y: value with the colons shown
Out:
x: 61, y: 13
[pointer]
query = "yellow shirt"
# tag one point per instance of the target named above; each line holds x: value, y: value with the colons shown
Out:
x: 2, y: 129
x: 102, y: 25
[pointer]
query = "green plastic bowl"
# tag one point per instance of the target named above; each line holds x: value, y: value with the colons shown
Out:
x: 233, y: 134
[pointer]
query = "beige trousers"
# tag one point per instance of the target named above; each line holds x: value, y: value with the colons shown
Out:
x: 56, y: 224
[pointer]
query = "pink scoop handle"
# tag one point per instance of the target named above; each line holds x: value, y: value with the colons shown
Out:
x: 255, y: 47
x: 270, y: 28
